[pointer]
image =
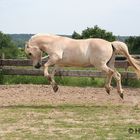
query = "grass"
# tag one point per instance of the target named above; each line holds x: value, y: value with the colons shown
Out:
x: 68, y: 81
x: 65, y: 81
x: 17, y: 79
x: 68, y: 122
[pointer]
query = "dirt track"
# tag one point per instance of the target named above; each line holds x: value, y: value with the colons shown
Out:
x: 43, y: 94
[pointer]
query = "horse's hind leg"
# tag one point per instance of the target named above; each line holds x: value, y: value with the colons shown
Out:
x: 110, y: 64
x: 109, y: 73
x: 117, y: 77
x: 108, y: 86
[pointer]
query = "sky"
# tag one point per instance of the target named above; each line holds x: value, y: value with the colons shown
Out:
x: 122, y: 17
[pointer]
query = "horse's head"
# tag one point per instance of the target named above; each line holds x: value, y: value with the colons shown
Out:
x: 35, y: 54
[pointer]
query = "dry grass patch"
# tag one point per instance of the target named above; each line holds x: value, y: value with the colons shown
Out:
x: 68, y: 122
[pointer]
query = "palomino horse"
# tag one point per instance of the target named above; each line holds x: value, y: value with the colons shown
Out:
x: 65, y: 51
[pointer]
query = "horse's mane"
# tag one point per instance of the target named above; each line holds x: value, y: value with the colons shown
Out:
x: 43, y: 34
x: 37, y: 36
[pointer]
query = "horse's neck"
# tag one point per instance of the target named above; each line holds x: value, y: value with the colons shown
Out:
x: 45, y: 47
x: 45, y: 43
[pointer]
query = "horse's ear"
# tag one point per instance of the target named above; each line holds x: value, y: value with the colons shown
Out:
x: 27, y: 44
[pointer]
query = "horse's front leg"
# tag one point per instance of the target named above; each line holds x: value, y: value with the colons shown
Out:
x: 52, y: 82
x: 50, y: 77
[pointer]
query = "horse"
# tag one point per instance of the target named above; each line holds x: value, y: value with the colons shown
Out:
x: 64, y: 51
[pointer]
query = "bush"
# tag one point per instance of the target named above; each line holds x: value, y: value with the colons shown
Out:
x: 95, y: 32
x: 7, y: 47
x: 133, y: 44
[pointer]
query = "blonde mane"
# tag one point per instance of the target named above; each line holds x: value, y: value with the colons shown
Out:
x: 43, y: 34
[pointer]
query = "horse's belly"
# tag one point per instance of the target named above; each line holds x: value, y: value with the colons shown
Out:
x: 74, y: 64
x: 74, y: 61
x: 75, y: 56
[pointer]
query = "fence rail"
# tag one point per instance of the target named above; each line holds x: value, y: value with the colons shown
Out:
x: 27, y: 62
x: 9, y: 67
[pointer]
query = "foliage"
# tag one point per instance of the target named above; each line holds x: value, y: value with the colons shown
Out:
x: 95, y: 32
x: 21, y: 53
x: 7, y: 47
x: 76, y: 35
x: 133, y: 44
x: 20, y: 39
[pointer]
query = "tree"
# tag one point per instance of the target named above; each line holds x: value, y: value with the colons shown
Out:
x: 133, y: 44
x: 7, y: 47
x: 76, y: 35
x: 95, y: 32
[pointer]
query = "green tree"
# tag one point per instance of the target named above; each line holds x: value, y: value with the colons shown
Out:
x: 95, y: 32
x: 7, y: 47
x: 133, y: 44
x: 76, y: 35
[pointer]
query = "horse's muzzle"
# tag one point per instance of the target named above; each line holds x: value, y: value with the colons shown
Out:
x: 38, y: 65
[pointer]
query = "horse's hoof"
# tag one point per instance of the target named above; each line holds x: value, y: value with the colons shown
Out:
x: 108, y: 91
x: 121, y: 95
x: 55, y: 88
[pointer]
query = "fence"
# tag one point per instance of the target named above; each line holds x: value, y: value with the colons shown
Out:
x: 21, y: 67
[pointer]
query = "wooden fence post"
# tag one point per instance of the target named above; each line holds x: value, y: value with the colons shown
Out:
x: 1, y: 71
x: 3, y: 55
x: 126, y: 70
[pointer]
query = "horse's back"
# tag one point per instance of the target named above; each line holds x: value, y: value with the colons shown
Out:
x: 86, y: 51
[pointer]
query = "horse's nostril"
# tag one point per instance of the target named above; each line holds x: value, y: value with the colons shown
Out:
x: 38, y: 66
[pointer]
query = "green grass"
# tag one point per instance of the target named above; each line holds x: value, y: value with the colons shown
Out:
x: 17, y: 79
x: 68, y: 81
x: 65, y: 81
x: 68, y: 122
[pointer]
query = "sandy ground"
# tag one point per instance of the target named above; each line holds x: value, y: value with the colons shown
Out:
x: 43, y: 94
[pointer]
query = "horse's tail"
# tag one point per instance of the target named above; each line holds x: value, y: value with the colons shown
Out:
x: 122, y: 48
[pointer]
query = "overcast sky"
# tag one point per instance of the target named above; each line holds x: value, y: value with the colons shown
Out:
x: 122, y: 17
